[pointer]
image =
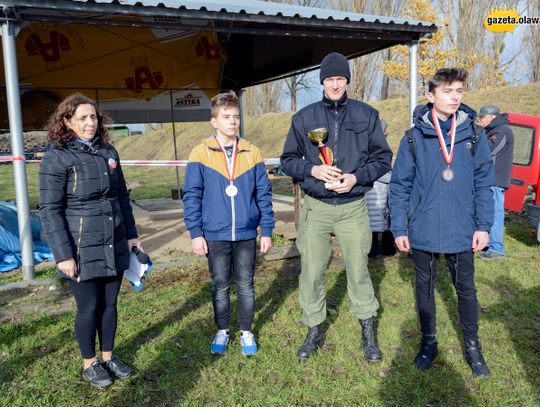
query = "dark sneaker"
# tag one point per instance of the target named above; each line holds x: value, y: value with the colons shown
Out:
x: 372, y: 352
x: 475, y: 359
x: 314, y: 340
x: 97, y: 375
x: 428, y: 352
x: 118, y: 368
x: 490, y: 255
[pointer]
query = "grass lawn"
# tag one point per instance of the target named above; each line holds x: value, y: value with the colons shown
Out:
x: 165, y: 332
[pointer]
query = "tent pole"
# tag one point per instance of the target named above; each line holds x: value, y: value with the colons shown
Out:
x: 239, y: 93
x: 9, y: 29
x: 174, y: 143
x: 413, y: 78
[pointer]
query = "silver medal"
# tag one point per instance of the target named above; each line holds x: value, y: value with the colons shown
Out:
x: 231, y: 190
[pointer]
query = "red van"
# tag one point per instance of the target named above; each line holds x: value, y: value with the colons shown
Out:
x: 526, y: 168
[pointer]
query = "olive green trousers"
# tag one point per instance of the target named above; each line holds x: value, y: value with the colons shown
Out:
x: 350, y: 224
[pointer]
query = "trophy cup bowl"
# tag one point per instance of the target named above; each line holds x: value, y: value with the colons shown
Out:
x: 318, y: 135
x: 326, y: 154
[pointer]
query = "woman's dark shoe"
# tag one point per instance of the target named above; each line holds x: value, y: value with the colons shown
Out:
x: 475, y: 359
x: 428, y: 352
x: 118, y: 368
x: 97, y: 375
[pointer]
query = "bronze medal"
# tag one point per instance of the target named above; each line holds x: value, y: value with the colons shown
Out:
x: 448, y: 174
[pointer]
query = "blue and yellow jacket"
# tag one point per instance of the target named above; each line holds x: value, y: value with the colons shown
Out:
x: 209, y: 212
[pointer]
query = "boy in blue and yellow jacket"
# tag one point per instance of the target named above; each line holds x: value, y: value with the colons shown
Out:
x: 227, y: 196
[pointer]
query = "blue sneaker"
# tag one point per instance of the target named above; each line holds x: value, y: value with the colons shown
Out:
x: 248, y: 343
x: 491, y: 255
x: 221, y: 340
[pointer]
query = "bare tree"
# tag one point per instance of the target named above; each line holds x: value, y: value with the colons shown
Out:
x: 293, y: 85
x: 388, y: 8
x: 362, y: 68
x: 532, y: 41
x: 268, y: 97
x: 263, y: 98
x: 297, y: 83
x: 365, y: 75
x: 478, y: 49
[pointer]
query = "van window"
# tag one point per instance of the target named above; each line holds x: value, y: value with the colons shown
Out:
x: 523, y: 142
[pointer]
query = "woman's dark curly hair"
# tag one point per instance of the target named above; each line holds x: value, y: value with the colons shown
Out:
x: 59, y: 134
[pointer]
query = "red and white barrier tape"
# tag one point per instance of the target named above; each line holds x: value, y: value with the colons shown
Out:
x: 9, y: 159
x: 134, y: 163
x: 153, y: 163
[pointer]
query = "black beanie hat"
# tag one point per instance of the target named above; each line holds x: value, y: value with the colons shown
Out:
x: 335, y: 64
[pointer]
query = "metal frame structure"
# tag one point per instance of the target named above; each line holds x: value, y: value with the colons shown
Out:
x: 264, y: 41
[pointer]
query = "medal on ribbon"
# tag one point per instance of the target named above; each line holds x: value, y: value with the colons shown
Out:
x: 447, y: 173
x: 230, y: 164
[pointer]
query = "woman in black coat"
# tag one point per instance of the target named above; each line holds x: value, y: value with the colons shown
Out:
x: 88, y: 221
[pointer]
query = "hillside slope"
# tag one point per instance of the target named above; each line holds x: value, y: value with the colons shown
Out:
x: 269, y: 130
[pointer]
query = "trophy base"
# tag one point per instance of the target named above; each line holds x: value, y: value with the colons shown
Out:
x: 327, y: 185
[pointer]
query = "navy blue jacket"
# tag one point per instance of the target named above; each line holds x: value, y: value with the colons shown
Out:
x: 354, y: 135
x: 501, y: 142
x: 440, y: 216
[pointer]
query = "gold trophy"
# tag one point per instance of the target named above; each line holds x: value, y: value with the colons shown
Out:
x: 325, y: 153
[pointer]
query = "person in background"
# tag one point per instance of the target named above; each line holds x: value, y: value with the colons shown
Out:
x: 501, y: 142
x: 356, y: 155
x: 382, y: 242
x: 441, y: 203
x: 227, y: 196
x: 88, y: 222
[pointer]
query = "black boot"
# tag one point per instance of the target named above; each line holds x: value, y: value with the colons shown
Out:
x: 475, y: 359
x: 372, y: 353
x: 428, y: 352
x: 314, y: 340
x: 388, y: 247
x: 375, y: 252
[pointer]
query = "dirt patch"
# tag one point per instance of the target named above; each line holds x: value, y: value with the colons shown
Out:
x: 18, y: 303
x: 53, y: 299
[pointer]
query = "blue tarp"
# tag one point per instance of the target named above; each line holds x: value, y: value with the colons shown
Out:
x: 10, y: 246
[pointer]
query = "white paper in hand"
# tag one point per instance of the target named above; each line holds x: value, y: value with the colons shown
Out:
x: 137, y: 272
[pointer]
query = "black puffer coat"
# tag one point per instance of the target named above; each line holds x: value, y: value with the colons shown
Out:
x: 85, y: 208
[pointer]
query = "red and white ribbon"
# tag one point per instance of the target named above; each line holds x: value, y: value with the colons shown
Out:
x: 448, y: 155
x: 138, y: 163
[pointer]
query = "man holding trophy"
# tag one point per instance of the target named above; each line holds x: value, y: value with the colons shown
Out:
x: 336, y: 149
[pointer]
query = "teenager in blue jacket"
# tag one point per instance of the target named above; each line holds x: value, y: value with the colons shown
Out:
x: 441, y: 203
x: 227, y: 196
